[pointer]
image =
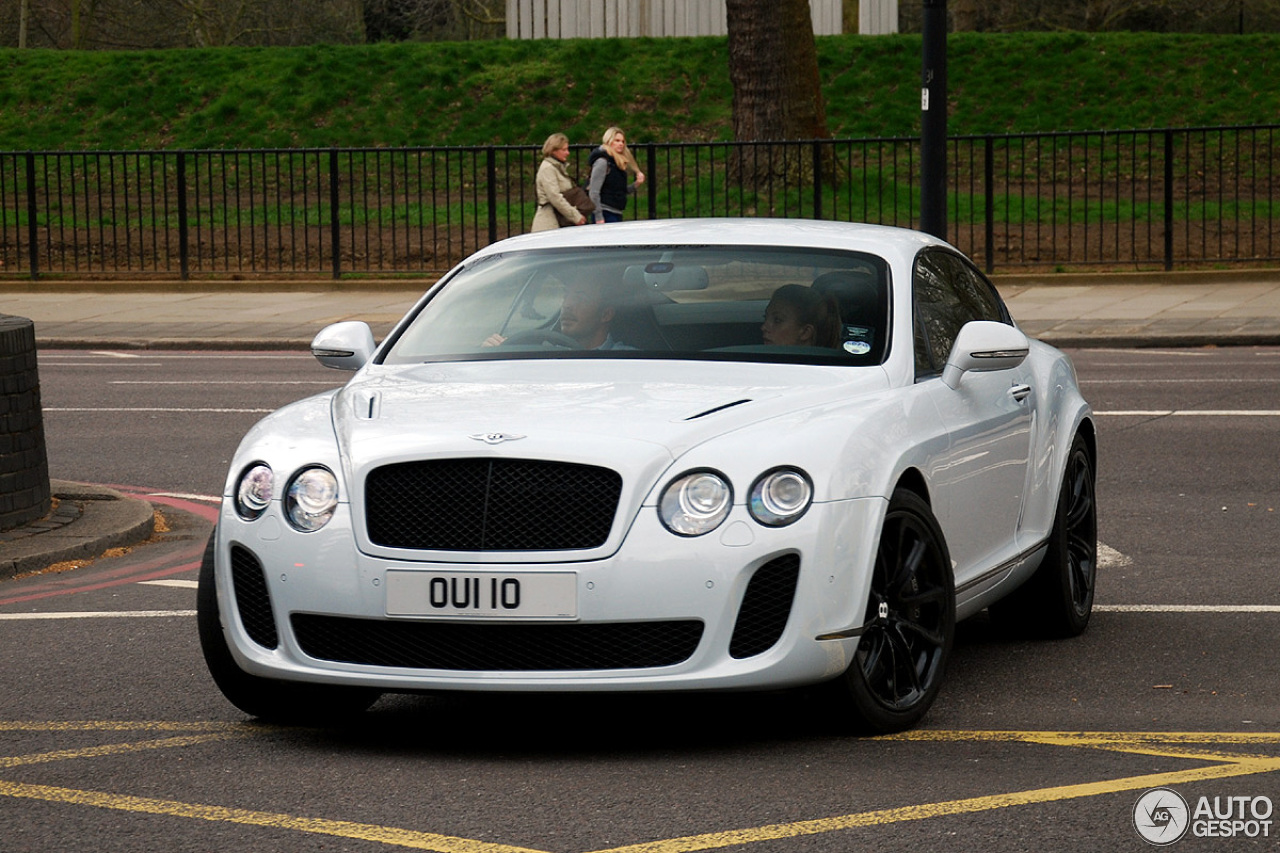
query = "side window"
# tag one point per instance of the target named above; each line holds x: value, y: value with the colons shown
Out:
x: 948, y: 293
x: 975, y: 292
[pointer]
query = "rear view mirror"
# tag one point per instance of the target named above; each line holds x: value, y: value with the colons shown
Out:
x: 344, y: 346
x: 664, y: 277
x: 983, y: 345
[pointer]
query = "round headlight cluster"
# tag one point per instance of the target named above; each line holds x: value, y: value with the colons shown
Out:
x: 698, y: 502
x: 780, y: 497
x: 695, y: 503
x: 253, y: 492
x: 311, y: 498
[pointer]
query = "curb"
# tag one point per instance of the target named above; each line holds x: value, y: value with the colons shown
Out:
x: 171, y: 344
x: 1158, y: 340
x: 89, y: 520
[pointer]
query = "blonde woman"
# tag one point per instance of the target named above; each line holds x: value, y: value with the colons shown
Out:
x: 551, y: 183
x: 608, y: 185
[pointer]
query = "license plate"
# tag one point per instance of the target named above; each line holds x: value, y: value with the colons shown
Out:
x: 506, y: 595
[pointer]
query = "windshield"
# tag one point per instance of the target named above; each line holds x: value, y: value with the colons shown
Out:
x: 727, y: 303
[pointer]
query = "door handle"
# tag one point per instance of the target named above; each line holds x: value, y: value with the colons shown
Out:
x: 1020, y: 392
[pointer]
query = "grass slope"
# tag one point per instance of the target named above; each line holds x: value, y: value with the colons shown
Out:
x: 517, y: 92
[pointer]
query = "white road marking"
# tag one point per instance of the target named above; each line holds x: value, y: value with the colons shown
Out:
x: 1188, y: 608
x: 255, y: 382
x: 180, y: 584
x: 1099, y: 608
x: 1211, y: 413
x: 1183, y: 381
x: 1128, y: 413
x: 94, y: 614
x: 213, y: 499
x: 159, y: 409
x: 1110, y: 558
x: 175, y: 356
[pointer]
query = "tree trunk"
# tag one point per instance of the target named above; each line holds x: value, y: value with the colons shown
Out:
x: 773, y: 66
x: 964, y: 16
x: 24, y: 13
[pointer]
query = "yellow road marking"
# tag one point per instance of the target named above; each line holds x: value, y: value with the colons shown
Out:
x: 716, y: 840
x: 1190, y: 746
x: 336, y: 828
x: 109, y: 749
x: 123, y: 726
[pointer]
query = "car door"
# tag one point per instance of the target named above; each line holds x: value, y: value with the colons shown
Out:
x: 980, y: 480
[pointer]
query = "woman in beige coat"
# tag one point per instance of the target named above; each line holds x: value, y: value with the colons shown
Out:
x: 551, y: 183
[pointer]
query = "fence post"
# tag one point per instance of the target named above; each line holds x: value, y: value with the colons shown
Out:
x: 651, y: 165
x: 184, y: 246
x: 817, y: 179
x: 335, y: 234
x: 989, y: 193
x: 33, y: 233
x: 491, y: 164
x: 1168, y: 200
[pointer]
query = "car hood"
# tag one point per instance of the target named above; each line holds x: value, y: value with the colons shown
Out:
x: 631, y: 415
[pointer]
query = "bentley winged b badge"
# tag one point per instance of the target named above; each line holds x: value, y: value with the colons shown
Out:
x: 496, y: 437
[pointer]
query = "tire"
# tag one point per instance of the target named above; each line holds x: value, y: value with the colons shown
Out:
x: 910, y: 623
x: 1057, y: 601
x: 288, y: 702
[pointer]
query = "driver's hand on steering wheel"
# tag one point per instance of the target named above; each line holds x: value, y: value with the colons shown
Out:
x: 493, y: 340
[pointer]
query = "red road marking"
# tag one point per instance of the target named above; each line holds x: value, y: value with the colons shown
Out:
x: 185, y: 560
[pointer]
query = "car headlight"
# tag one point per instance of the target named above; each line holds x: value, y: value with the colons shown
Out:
x: 253, y: 492
x: 311, y: 498
x: 780, y: 496
x: 695, y: 503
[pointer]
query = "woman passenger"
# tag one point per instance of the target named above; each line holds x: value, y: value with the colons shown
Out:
x: 800, y: 316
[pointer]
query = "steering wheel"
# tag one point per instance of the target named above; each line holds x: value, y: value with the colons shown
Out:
x: 542, y: 336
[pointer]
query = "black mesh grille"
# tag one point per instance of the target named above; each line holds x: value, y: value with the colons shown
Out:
x: 252, y: 599
x: 471, y: 647
x: 491, y: 505
x: 765, y: 607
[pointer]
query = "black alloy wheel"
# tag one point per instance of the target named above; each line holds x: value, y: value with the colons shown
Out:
x: 910, y: 622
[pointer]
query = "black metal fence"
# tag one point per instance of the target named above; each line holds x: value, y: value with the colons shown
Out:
x: 1138, y: 199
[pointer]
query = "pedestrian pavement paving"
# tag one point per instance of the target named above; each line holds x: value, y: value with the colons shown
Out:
x: 1240, y: 307
x: 1182, y: 309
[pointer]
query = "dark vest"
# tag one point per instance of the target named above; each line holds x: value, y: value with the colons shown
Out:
x: 613, y: 193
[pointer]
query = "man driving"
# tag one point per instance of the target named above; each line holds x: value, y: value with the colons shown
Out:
x: 585, y: 317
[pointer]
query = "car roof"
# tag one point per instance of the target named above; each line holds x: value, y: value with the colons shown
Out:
x: 884, y: 240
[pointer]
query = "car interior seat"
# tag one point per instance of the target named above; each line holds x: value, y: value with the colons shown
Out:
x: 862, y: 311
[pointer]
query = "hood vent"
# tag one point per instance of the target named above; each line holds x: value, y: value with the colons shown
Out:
x: 712, y: 411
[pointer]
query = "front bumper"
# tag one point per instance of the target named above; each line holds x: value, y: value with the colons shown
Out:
x: 743, y: 607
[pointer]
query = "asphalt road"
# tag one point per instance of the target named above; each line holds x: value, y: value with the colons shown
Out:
x: 112, y: 737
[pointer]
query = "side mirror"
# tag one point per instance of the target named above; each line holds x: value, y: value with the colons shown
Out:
x: 984, y: 345
x: 344, y: 346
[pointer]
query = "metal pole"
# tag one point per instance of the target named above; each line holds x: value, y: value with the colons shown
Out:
x: 184, y: 240
x: 335, y: 229
x: 933, y: 121
x: 33, y: 229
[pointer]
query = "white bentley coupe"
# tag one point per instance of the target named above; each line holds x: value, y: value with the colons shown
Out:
x: 660, y: 456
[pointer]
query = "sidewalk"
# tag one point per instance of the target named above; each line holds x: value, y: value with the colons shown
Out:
x: 1239, y: 307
